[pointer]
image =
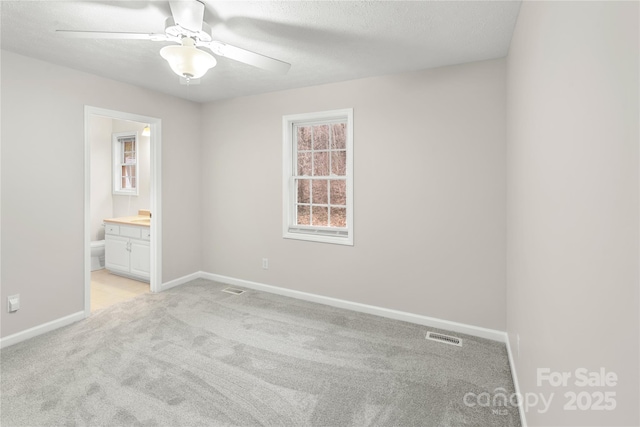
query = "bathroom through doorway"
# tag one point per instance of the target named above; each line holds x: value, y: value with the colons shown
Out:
x: 122, y: 207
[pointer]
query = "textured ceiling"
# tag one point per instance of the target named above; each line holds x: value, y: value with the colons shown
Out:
x: 325, y: 41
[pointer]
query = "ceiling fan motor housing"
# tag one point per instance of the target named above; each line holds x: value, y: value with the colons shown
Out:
x: 175, y: 30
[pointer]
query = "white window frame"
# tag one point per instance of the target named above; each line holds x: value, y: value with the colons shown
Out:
x: 117, y: 163
x: 342, y: 236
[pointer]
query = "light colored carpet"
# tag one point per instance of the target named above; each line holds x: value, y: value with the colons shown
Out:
x: 196, y: 356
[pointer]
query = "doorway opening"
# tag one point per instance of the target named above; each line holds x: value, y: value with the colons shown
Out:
x: 122, y: 230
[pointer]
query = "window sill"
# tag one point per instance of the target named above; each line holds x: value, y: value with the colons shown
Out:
x: 322, y: 236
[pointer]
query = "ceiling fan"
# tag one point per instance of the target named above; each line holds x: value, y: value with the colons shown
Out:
x: 186, y: 26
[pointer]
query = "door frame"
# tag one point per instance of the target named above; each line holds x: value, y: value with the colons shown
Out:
x: 155, y: 197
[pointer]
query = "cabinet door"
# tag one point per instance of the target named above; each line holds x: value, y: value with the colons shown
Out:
x: 116, y: 253
x: 140, y: 258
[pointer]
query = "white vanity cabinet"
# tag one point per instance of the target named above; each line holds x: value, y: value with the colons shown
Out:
x: 127, y: 251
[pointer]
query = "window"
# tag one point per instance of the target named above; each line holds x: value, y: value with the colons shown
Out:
x: 125, y: 163
x: 318, y: 176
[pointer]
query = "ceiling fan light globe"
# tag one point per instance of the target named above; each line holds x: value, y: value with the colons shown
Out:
x: 188, y: 61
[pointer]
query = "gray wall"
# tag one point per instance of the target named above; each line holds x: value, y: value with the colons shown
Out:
x: 429, y: 193
x: 43, y: 183
x: 100, y: 129
x: 573, y: 215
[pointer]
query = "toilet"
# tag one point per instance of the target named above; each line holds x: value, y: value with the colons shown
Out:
x: 97, y: 255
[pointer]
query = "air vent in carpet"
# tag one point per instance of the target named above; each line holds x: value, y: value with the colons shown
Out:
x: 233, y: 291
x: 447, y: 339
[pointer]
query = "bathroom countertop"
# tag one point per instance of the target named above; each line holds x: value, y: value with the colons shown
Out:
x: 143, y: 219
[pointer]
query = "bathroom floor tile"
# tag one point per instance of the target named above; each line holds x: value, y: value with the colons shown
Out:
x: 108, y: 289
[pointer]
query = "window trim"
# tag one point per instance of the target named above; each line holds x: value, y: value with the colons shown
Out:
x: 117, y: 165
x: 290, y: 230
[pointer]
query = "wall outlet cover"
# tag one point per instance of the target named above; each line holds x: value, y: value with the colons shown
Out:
x: 13, y: 303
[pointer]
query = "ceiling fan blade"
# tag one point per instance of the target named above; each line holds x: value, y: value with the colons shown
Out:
x: 248, y: 57
x: 188, y: 14
x: 111, y: 35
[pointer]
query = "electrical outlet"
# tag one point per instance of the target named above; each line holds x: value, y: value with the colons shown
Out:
x: 13, y: 303
x: 265, y: 263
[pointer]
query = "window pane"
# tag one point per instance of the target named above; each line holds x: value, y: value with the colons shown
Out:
x: 320, y: 215
x: 129, y: 158
x: 339, y: 163
x: 338, y: 217
x: 304, y: 191
x: 304, y: 163
x: 129, y: 145
x: 321, y: 137
x: 128, y: 183
x: 339, y: 139
x: 304, y: 138
x: 319, y: 191
x: 338, y: 192
x: 129, y: 170
x: 321, y: 164
x: 128, y: 177
x: 303, y: 215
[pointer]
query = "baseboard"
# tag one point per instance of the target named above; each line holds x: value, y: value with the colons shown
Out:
x: 516, y: 385
x: 72, y: 318
x: 180, y: 281
x: 41, y: 329
x: 433, y: 322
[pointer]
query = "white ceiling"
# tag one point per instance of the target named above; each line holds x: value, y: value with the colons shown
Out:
x: 325, y: 41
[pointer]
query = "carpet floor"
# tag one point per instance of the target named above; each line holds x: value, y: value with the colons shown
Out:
x: 196, y: 356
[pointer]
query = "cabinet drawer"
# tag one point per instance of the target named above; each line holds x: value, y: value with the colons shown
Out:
x: 146, y: 233
x: 130, y: 232
x: 111, y: 229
